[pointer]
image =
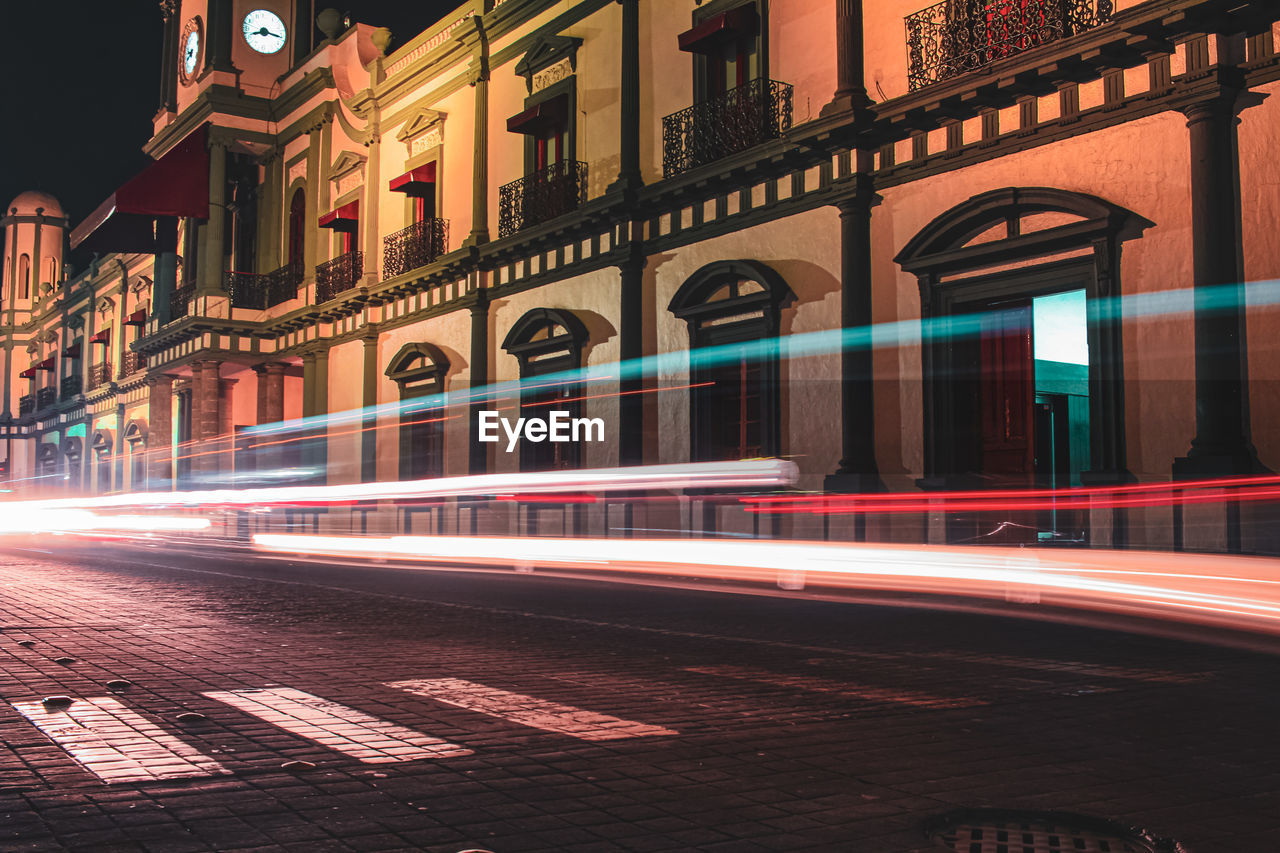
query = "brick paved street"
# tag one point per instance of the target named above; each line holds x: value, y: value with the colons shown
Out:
x: 512, y: 712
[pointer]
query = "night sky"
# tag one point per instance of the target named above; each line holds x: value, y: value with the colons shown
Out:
x: 81, y: 84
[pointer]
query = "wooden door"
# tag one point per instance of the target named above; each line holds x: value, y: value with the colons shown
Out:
x: 1007, y: 394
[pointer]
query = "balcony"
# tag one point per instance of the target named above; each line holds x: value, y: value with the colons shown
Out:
x: 180, y: 301
x: 542, y: 196
x: 338, y: 275
x: 71, y: 386
x: 26, y: 405
x: 416, y: 246
x: 735, y: 121
x: 260, y: 291
x: 943, y: 44
x: 45, y: 397
x: 99, y: 374
x: 133, y: 362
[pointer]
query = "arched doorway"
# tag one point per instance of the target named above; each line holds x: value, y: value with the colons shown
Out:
x: 419, y: 370
x: 297, y: 231
x: 548, y: 342
x: 734, y: 406
x: 1023, y: 362
x: 135, y: 439
x: 103, y: 449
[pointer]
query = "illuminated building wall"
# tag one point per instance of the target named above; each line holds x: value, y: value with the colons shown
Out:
x: 623, y: 179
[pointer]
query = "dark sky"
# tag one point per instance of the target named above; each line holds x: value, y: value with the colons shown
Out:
x: 81, y: 84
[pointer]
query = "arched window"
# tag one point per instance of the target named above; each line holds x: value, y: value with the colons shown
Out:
x: 102, y: 447
x: 730, y: 307
x: 135, y: 438
x: 72, y: 449
x: 51, y: 270
x: 297, y: 228
x: 47, y: 462
x: 24, y: 277
x: 419, y: 369
x: 548, y: 342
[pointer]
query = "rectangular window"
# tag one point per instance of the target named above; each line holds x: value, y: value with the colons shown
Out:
x: 730, y: 408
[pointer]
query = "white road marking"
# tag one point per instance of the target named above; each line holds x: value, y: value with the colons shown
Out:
x: 338, y: 727
x: 839, y: 688
x: 116, y: 744
x: 528, y: 710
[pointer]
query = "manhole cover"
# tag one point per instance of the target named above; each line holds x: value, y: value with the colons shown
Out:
x: 998, y: 831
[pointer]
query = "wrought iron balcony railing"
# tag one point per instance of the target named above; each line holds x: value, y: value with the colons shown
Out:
x: 338, y: 275
x: 542, y: 196
x: 955, y: 36
x: 133, y: 362
x: 414, y: 247
x: 735, y: 121
x: 260, y: 291
x: 26, y: 404
x: 180, y: 301
x: 99, y: 374
x: 71, y: 386
x: 46, y: 397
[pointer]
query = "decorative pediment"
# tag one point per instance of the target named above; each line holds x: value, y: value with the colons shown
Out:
x: 347, y: 172
x: 140, y: 284
x: 105, y: 304
x: 75, y: 321
x: 50, y: 336
x: 423, y: 131
x: 548, y: 51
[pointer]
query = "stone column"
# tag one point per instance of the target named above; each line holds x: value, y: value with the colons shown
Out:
x: 631, y: 346
x: 851, y: 88
x: 858, y: 471
x: 211, y: 253
x: 166, y: 269
x: 629, y: 175
x: 206, y: 395
x: 1222, y: 444
x: 480, y: 168
x: 169, y: 56
x: 369, y: 213
x: 308, y: 384
x: 160, y: 432
x: 369, y: 399
x: 479, y: 458
x: 311, y: 243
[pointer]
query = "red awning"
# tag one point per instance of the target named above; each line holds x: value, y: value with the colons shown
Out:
x: 72, y: 351
x: 345, y: 218
x: 551, y: 113
x: 175, y: 185
x: 48, y: 364
x: 715, y: 31
x: 137, y: 318
x: 103, y: 337
x: 416, y: 182
x: 29, y: 373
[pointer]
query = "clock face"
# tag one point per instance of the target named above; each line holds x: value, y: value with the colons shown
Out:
x: 189, y: 63
x: 191, y: 53
x: 264, y: 31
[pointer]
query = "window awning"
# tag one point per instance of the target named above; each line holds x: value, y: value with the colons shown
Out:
x: 416, y: 182
x: 547, y: 115
x: 345, y: 218
x: 175, y: 185
x: 72, y: 351
x: 29, y: 373
x: 137, y: 318
x: 47, y: 364
x: 711, y: 34
x: 103, y: 337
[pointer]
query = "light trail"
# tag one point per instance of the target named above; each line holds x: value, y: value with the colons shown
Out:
x: 756, y: 474
x: 1221, y: 591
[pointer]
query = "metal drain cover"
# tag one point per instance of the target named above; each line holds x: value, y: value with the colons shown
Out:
x: 1003, y: 831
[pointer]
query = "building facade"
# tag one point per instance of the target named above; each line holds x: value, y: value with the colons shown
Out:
x: 532, y: 186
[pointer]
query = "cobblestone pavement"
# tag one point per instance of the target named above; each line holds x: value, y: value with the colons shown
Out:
x: 304, y: 707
